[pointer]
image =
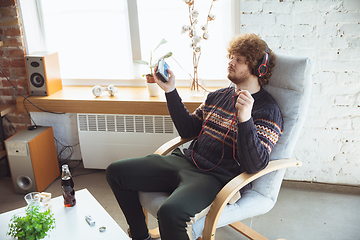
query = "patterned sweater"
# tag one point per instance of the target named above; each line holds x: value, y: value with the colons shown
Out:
x: 240, y: 146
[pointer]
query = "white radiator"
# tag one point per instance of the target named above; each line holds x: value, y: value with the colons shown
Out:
x: 105, y: 138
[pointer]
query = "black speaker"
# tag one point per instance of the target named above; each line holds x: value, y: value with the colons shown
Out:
x: 43, y: 72
x: 32, y: 159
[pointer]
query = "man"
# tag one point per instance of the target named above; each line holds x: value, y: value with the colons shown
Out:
x: 236, y: 128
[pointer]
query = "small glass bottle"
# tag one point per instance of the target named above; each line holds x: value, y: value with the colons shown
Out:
x: 67, y: 185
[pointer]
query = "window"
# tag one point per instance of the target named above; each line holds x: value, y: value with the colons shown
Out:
x: 97, y: 41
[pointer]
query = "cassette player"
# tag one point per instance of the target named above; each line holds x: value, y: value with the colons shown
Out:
x: 161, y: 71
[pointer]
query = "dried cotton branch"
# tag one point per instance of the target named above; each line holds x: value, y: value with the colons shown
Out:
x: 195, y: 39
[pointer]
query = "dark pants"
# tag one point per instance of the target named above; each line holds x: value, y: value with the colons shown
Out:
x: 192, y: 190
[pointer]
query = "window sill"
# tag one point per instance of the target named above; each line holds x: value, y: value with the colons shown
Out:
x: 128, y: 100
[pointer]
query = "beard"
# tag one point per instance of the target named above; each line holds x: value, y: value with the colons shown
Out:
x: 238, y: 78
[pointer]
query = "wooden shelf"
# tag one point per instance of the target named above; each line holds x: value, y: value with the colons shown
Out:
x: 5, y: 109
x: 128, y: 100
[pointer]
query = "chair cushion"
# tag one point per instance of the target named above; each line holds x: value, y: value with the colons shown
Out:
x: 290, y: 86
x: 251, y: 204
x: 152, y: 201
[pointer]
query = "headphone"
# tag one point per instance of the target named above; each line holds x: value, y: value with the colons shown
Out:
x: 263, y: 66
x: 97, y: 90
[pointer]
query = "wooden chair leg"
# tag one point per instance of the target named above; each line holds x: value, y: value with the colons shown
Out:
x: 146, y: 214
x: 155, y: 233
x: 246, y: 231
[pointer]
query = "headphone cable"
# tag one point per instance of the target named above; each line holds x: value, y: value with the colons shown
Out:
x: 25, y: 98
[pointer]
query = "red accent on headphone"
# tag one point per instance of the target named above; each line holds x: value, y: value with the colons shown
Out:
x: 264, y: 65
x: 262, y: 68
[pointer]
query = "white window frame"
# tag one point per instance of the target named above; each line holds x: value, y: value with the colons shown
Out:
x: 33, y: 20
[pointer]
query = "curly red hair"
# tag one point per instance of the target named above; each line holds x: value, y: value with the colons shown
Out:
x: 253, y: 48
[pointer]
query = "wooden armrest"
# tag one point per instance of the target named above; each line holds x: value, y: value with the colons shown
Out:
x: 227, y: 192
x: 171, y: 145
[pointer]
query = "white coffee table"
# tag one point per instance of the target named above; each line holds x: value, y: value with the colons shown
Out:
x: 70, y: 222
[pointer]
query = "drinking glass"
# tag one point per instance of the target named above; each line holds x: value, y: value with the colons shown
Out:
x: 33, y: 198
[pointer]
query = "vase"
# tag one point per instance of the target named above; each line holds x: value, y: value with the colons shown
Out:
x: 197, y: 87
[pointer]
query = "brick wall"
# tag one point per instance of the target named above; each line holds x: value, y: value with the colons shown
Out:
x: 328, y: 31
x: 12, y: 63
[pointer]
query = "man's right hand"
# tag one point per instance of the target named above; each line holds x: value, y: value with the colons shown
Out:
x: 167, y: 86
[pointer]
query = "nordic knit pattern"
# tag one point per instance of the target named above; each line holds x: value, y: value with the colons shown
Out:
x: 240, y: 146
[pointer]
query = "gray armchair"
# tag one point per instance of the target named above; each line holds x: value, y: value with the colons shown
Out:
x: 290, y: 86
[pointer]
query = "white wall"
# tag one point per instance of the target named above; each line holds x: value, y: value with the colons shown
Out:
x: 327, y: 31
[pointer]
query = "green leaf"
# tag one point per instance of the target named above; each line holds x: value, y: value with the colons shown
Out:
x: 38, y: 227
x: 169, y: 54
x: 141, y: 62
x: 161, y: 43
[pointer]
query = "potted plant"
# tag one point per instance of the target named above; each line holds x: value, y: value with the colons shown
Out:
x: 151, y: 64
x: 34, y: 225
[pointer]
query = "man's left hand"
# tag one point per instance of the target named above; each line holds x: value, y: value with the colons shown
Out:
x: 244, y: 105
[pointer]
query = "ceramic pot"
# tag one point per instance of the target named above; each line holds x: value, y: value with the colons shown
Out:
x: 153, y: 89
